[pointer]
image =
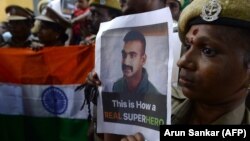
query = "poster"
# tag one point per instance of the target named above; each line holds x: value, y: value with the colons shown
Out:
x: 134, y: 62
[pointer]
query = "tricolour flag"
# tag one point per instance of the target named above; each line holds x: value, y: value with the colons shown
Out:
x: 38, y: 101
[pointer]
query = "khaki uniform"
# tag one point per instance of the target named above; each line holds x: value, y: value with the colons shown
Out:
x: 181, y: 107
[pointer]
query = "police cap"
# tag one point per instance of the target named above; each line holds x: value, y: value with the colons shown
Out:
x: 235, y: 13
x: 50, y: 15
x: 15, y: 12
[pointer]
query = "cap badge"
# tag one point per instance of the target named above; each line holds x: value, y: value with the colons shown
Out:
x: 211, y: 11
x: 102, y: 2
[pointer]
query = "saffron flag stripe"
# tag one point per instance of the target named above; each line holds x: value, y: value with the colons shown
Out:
x: 52, y: 65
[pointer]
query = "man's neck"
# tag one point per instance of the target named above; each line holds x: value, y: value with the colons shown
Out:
x: 133, y: 83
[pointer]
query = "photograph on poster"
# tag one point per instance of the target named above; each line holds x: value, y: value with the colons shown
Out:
x: 134, y: 91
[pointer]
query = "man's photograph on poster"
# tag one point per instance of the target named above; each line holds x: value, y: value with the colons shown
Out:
x: 135, y: 72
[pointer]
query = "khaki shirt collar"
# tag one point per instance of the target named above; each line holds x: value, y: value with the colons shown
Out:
x: 181, y: 114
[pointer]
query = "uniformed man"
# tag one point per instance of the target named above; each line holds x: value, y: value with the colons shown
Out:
x: 20, y: 22
x: 52, y: 31
x: 42, y: 4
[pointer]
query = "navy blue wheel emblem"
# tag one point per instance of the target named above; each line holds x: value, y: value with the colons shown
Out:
x: 54, y: 100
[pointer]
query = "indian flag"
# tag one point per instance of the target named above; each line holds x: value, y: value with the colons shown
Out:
x: 38, y: 101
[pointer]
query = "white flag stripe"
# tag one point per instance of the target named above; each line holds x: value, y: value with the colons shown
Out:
x: 32, y: 100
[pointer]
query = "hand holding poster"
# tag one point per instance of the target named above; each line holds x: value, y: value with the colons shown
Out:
x: 134, y: 62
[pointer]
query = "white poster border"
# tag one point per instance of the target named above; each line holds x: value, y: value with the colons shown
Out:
x: 134, y: 20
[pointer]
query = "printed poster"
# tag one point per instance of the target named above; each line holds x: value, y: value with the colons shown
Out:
x: 134, y: 62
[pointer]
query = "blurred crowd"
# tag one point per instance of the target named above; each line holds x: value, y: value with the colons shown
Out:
x: 52, y: 27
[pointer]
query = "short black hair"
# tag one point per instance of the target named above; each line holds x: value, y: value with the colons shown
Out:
x: 135, y: 35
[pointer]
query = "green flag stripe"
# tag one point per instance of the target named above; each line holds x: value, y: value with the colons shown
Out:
x: 23, y: 128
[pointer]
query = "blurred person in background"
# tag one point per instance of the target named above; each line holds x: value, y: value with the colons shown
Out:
x: 42, y: 4
x: 20, y: 22
x: 79, y: 24
x: 175, y: 8
x: 100, y: 12
x: 52, y: 30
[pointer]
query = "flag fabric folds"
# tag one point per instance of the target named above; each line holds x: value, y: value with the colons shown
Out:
x: 38, y: 101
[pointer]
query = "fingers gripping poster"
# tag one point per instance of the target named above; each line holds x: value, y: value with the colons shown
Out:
x: 134, y: 63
